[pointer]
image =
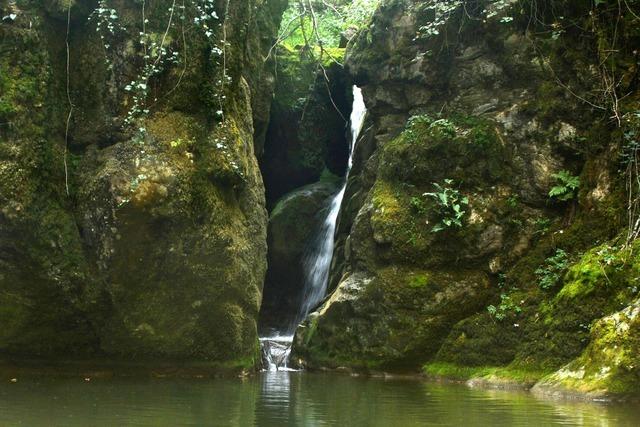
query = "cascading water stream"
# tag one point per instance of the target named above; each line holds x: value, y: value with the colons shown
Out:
x: 317, y: 260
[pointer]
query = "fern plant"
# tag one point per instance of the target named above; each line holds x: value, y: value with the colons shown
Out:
x: 450, y: 205
x: 566, y: 186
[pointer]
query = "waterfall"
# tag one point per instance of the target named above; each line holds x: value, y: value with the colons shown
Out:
x: 317, y: 259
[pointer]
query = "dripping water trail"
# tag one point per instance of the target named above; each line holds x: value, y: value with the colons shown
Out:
x: 317, y: 260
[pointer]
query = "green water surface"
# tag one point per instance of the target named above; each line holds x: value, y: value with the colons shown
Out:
x: 289, y: 399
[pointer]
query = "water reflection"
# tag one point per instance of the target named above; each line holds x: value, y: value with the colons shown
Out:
x: 289, y: 399
x: 275, y: 401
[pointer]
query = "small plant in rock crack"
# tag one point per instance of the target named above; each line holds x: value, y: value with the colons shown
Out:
x: 507, y: 306
x: 418, y: 205
x: 450, y: 205
x: 541, y: 226
x: 566, y: 186
x: 550, y: 272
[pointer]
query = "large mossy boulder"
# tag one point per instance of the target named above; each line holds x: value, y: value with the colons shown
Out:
x: 134, y: 227
x: 609, y: 368
x: 389, y: 321
x: 543, y: 329
x: 408, y: 282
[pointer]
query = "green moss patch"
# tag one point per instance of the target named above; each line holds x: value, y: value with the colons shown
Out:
x: 491, y: 374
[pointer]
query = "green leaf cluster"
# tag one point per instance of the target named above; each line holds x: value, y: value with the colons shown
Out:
x: 450, y: 205
x: 566, y: 186
x: 321, y: 22
x: 506, y: 306
x: 550, y: 272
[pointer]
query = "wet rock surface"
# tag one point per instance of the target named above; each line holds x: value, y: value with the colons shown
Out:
x: 293, y: 224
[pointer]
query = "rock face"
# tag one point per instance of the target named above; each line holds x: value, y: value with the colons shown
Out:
x: 305, y: 154
x: 134, y: 227
x: 607, y: 368
x: 472, y: 115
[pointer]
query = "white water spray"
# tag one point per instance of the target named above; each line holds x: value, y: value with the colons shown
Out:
x: 317, y: 260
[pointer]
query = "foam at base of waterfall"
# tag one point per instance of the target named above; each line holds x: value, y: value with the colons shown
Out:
x: 275, y: 352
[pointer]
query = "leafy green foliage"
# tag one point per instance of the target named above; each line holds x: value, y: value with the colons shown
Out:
x: 507, y: 306
x: 158, y: 49
x: 513, y: 201
x: 418, y: 205
x: 358, y: 12
x: 320, y: 23
x: 301, y: 32
x: 443, y: 127
x: 436, y: 13
x: 550, y: 273
x: 450, y: 205
x: 566, y: 186
x: 423, y: 125
x: 541, y: 226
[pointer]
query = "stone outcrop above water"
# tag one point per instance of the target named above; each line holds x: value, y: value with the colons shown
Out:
x: 477, y: 109
x: 608, y: 367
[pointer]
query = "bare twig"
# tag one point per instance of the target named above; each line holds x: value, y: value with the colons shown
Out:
x: 284, y: 35
x: 185, y: 61
x: 66, y: 131
x: 224, y: 57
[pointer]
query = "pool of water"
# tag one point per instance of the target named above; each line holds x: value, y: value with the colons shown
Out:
x: 288, y: 399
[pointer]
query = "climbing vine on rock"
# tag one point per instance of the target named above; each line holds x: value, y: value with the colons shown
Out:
x: 107, y: 25
x: 165, y: 48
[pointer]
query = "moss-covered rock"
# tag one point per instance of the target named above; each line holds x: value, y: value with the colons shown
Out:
x: 474, y: 112
x: 134, y: 225
x: 608, y: 367
x: 43, y: 272
x: 392, y: 320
